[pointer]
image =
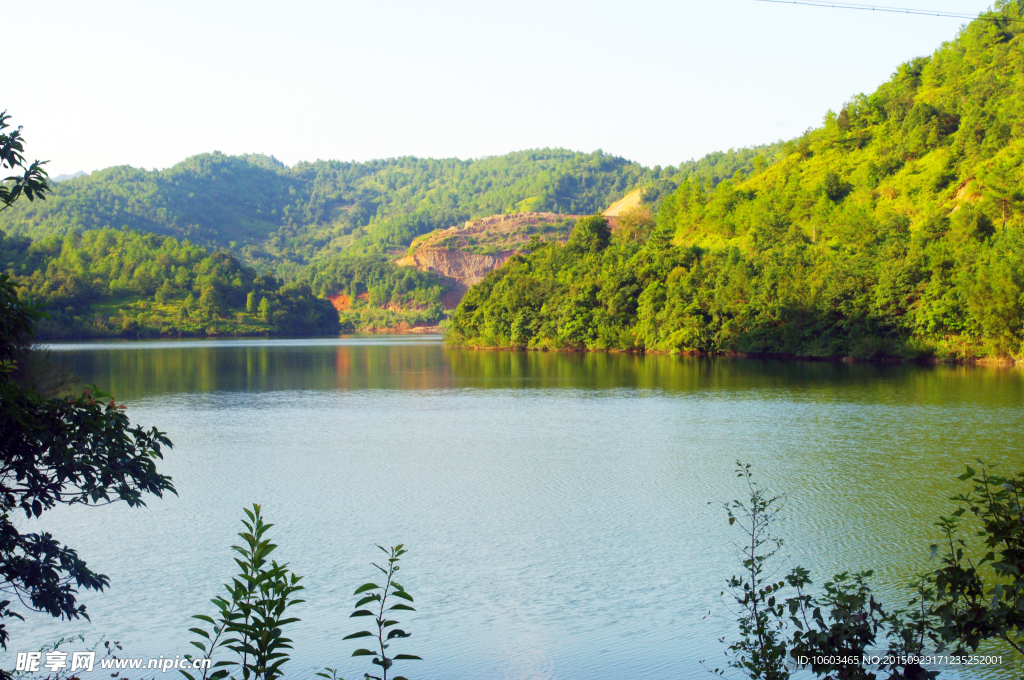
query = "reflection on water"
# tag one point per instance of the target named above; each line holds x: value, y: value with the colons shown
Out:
x: 556, y: 506
x: 134, y: 370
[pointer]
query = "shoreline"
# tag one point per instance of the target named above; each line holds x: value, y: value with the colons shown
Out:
x: 780, y: 356
x: 400, y: 329
x: 405, y: 329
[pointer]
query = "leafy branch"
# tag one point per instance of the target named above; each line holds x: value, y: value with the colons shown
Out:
x: 373, y: 593
x: 32, y: 183
x: 250, y: 623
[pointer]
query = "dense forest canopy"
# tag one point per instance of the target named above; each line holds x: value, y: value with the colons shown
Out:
x: 330, y: 225
x: 264, y: 211
x: 106, y: 282
x: 895, y: 228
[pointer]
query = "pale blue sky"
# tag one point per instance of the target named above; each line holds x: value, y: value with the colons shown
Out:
x: 148, y: 84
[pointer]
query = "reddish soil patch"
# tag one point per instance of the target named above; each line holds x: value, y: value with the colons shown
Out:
x: 341, y: 302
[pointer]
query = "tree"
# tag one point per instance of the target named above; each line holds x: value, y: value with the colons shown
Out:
x: 591, y: 232
x: 635, y: 224
x: 1002, y: 185
x: 983, y: 599
x: 266, y: 313
x: 761, y: 650
x: 65, y: 451
x: 376, y: 597
x: 56, y: 451
x: 960, y: 605
x: 251, y: 620
x: 211, y: 302
x: 31, y: 180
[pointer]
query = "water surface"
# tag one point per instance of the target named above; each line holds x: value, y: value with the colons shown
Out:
x: 562, y: 511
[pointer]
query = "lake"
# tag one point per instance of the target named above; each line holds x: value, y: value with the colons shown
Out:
x: 563, y: 512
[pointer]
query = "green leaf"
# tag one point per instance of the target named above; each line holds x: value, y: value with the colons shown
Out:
x: 408, y: 657
x: 401, y: 606
x: 363, y: 652
x: 366, y: 586
x: 362, y: 633
x: 360, y: 612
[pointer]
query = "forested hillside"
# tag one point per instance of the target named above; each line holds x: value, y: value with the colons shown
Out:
x: 330, y: 225
x: 107, y: 282
x: 264, y: 211
x: 894, y: 229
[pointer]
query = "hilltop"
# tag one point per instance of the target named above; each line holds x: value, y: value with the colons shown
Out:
x: 265, y: 212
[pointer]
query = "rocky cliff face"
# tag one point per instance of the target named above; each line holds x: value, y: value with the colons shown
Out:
x: 465, y: 268
x: 467, y: 253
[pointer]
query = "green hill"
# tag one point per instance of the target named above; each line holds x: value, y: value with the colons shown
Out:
x: 105, y: 282
x: 894, y: 229
x: 266, y: 212
x: 333, y: 226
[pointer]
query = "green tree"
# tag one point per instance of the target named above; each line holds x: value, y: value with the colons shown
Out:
x: 266, y: 313
x: 635, y: 224
x: 591, y: 232
x: 1002, y: 184
x: 250, y: 621
x: 761, y: 650
x: 983, y: 599
x: 375, y: 597
x: 59, y: 451
x: 211, y: 302
x: 30, y: 181
x: 56, y: 451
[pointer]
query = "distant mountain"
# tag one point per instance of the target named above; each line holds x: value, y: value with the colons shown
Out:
x: 64, y: 177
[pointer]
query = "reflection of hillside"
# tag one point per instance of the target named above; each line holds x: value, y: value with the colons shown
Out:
x: 395, y: 367
x: 791, y: 379
x: 135, y: 371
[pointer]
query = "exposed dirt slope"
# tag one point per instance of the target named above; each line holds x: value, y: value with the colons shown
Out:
x: 498, y: 233
x: 466, y: 268
x: 466, y: 253
x: 630, y: 200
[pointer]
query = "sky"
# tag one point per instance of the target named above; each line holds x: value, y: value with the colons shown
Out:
x: 149, y: 84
